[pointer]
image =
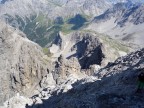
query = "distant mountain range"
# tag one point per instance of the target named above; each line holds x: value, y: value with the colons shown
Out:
x: 42, y: 20
x: 75, y: 66
x: 123, y: 21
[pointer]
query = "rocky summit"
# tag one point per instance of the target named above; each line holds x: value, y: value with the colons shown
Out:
x: 71, y: 53
x: 89, y: 48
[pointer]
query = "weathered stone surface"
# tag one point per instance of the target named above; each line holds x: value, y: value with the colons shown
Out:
x: 112, y: 86
x: 64, y: 68
x: 22, y: 63
x: 17, y: 102
x: 89, y: 48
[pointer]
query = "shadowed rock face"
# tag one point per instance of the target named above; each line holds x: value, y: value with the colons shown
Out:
x: 88, y: 48
x: 25, y: 69
x: 78, y: 21
x: 89, y: 51
x: 108, y: 87
x: 22, y: 63
x: 115, y: 88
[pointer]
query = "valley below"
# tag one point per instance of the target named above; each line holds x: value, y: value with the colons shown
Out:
x: 71, y: 53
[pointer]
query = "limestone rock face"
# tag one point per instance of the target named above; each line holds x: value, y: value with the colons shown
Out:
x: 69, y: 87
x: 89, y: 48
x: 112, y: 86
x: 22, y: 63
x: 64, y: 68
x: 17, y: 101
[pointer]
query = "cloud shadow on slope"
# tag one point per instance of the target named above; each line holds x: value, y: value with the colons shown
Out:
x: 78, y: 21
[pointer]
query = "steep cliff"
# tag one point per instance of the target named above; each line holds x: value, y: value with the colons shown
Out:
x: 22, y: 63
x: 113, y: 86
x: 88, y: 47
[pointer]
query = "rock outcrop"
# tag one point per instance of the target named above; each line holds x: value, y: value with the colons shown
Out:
x: 83, y: 74
x: 89, y: 48
x: 113, y: 86
x: 67, y: 85
x: 64, y: 68
x: 22, y: 63
x: 17, y: 101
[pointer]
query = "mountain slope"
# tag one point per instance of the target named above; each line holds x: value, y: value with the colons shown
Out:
x: 115, y: 86
x: 88, y: 47
x: 42, y: 20
x: 49, y: 7
x: 79, y: 72
x: 123, y: 22
x: 34, y: 16
x: 22, y: 63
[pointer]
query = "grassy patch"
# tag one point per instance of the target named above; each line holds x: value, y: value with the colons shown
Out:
x: 43, y: 30
x: 66, y: 28
x: 47, y: 52
x: 115, y: 44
